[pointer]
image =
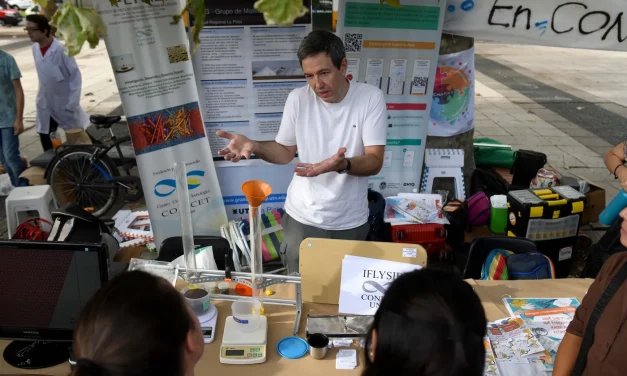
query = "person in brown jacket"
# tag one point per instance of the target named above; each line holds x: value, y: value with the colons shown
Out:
x: 607, y: 354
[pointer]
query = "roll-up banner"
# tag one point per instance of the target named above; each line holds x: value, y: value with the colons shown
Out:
x: 396, y: 49
x: 152, y: 63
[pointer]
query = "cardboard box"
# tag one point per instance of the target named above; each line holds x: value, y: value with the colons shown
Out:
x: 595, y: 203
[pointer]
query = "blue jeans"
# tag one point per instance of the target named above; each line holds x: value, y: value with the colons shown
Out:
x: 10, y: 156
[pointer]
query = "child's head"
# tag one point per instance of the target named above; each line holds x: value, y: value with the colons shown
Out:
x: 429, y: 323
x: 138, y: 324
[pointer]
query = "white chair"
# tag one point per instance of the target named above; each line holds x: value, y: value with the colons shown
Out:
x: 24, y: 203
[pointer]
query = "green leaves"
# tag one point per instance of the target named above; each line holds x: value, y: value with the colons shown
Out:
x: 77, y: 26
x: 197, y: 9
x: 281, y: 12
x: 41, y: 3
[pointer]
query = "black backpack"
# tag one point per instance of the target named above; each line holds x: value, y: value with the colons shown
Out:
x: 72, y: 224
x: 526, y: 167
x: 379, y: 231
x: 602, y: 250
x: 489, y: 181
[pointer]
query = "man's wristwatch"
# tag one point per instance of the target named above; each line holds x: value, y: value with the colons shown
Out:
x: 347, y: 168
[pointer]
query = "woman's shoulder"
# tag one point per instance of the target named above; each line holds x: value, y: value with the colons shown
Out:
x: 612, y: 266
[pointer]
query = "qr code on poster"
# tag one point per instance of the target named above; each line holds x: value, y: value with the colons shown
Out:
x: 177, y: 54
x: 419, y: 85
x: 353, y: 42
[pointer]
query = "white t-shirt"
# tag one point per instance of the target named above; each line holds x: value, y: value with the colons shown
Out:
x: 332, y: 201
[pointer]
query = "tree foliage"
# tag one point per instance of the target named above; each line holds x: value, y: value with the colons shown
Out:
x: 79, y: 25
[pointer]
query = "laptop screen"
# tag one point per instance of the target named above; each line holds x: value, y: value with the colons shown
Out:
x: 46, y: 289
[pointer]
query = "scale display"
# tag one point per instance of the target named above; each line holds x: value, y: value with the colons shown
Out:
x: 243, y: 354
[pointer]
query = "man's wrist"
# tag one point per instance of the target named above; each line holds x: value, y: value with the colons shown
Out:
x: 344, y: 167
x: 256, y: 146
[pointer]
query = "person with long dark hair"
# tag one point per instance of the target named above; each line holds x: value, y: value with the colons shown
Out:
x: 429, y: 323
x: 138, y: 324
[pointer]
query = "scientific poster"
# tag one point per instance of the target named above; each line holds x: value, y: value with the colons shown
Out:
x: 155, y: 78
x: 396, y: 49
x: 244, y: 71
x: 233, y: 175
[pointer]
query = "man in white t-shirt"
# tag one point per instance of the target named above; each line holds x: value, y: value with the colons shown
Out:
x: 339, y: 131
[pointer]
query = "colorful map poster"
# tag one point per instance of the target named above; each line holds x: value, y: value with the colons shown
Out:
x: 453, y: 107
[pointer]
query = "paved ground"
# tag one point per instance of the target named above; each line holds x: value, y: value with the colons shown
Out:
x: 570, y: 104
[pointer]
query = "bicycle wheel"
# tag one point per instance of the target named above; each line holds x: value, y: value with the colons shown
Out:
x: 74, y: 179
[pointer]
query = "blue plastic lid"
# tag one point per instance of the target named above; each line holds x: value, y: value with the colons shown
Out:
x: 292, y: 347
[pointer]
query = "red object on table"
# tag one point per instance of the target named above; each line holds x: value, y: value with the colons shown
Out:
x: 243, y: 290
x: 431, y: 236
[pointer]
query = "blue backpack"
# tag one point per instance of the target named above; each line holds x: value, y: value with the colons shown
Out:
x: 532, y: 265
x: 506, y: 265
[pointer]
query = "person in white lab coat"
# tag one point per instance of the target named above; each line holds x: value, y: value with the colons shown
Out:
x: 58, y: 98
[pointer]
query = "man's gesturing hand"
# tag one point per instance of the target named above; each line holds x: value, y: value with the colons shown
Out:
x: 239, y: 146
x: 335, y: 163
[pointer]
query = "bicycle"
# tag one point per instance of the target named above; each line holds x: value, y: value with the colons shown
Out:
x: 86, y: 176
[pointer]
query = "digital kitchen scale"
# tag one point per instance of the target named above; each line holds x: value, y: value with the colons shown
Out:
x: 208, y: 322
x: 244, y: 348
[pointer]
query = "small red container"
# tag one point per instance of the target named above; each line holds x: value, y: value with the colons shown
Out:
x: 431, y: 236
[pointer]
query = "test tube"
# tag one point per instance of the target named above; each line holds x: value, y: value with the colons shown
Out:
x: 256, y: 193
x: 256, y: 253
x: 187, y: 231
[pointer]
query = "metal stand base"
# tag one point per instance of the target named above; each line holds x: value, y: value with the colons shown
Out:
x: 204, y: 276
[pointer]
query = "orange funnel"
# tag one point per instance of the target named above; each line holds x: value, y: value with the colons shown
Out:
x: 256, y: 192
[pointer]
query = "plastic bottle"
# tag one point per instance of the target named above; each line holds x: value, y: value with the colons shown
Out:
x: 611, y: 212
x: 56, y: 140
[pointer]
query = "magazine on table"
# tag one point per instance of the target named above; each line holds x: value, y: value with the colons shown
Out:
x: 415, y: 208
x: 512, y: 340
x: 491, y: 369
x: 548, y: 319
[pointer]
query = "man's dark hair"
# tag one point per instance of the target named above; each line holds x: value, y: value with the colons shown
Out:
x: 322, y: 41
x: 41, y: 21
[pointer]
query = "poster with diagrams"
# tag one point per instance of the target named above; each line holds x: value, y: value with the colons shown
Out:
x: 396, y: 80
x: 396, y: 50
x: 245, y: 70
